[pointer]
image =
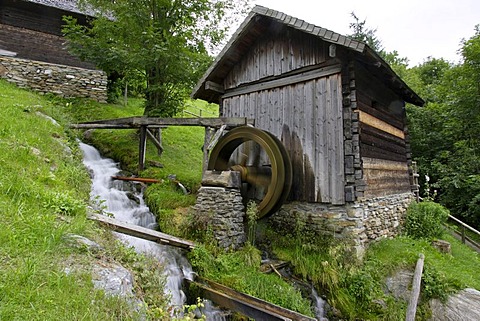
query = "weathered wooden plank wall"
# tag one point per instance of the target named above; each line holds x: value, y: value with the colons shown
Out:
x: 34, y: 31
x: 33, y: 16
x: 275, y: 55
x: 385, y: 177
x: 34, y: 45
x: 307, y: 117
x: 383, y: 144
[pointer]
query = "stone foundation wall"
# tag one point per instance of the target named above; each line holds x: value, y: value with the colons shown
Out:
x: 359, y: 222
x: 62, y: 80
x: 226, y: 209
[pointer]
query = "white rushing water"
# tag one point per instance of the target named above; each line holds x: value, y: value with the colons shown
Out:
x: 319, y: 306
x: 112, y: 197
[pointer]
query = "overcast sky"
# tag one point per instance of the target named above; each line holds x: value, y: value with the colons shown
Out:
x: 416, y: 29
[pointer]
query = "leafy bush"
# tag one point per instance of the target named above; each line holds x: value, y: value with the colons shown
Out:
x: 425, y: 220
x: 435, y: 284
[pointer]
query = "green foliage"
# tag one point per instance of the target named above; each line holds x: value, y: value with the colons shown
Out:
x: 435, y: 285
x: 362, y: 33
x: 162, y: 44
x: 240, y: 270
x: 64, y: 204
x: 252, y: 216
x: 425, y: 220
x: 198, y: 227
x: 444, y: 134
x: 356, y: 289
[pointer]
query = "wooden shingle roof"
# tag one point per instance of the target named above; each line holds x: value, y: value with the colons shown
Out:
x: 256, y: 23
x: 66, y: 5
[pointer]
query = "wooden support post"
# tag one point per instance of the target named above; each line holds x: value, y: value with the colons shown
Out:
x: 208, y: 136
x: 142, y: 148
x: 463, y: 234
x: 417, y: 278
x: 159, y: 138
x: 156, y: 142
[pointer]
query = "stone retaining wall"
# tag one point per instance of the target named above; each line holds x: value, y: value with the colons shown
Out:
x: 62, y: 80
x: 359, y: 223
x: 226, y: 209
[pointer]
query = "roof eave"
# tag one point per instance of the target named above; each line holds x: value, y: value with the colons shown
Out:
x: 407, y: 94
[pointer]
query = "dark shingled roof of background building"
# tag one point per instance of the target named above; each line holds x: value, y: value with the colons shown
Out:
x: 67, y: 5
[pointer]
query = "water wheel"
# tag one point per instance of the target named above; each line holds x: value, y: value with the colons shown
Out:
x: 263, y: 163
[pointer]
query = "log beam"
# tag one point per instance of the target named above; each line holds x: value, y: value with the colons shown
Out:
x: 142, y: 232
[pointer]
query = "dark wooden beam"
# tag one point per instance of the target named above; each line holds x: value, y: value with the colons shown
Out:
x: 100, y: 126
x: 205, y: 122
x: 151, y: 122
x: 284, y: 81
x: 142, y: 148
x: 210, y: 85
x: 142, y: 232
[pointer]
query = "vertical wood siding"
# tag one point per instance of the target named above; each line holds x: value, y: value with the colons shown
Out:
x: 307, y: 117
x: 275, y: 55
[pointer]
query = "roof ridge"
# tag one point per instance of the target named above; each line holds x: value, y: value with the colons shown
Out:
x: 317, y: 31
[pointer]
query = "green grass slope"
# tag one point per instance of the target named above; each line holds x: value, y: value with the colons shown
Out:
x: 44, y: 190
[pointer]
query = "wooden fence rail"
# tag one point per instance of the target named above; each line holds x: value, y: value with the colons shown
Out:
x: 463, y: 229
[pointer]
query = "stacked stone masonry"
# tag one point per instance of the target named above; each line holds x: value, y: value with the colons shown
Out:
x: 61, y: 80
x: 224, y: 207
x: 359, y: 223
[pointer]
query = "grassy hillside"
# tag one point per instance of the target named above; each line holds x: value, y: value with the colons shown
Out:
x: 44, y: 192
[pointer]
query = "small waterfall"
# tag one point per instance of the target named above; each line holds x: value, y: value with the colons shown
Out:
x: 112, y: 198
x: 319, y: 308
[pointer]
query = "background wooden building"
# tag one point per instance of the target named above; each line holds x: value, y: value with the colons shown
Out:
x: 334, y: 103
x: 33, y: 30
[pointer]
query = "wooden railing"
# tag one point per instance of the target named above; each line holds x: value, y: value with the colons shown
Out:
x: 463, y: 231
x: 200, y: 112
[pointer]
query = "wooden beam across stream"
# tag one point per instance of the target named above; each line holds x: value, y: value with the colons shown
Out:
x: 142, y: 232
x: 137, y: 122
x: 143, y: 124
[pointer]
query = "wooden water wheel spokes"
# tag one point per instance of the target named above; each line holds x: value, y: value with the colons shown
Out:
x: 275, y: 178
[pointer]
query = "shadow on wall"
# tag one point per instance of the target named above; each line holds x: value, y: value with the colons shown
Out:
x: 303, y: 182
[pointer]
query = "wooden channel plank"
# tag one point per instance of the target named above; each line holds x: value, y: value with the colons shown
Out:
x: 246, y: 304
x: 136, y: 122
x: 142, y: 232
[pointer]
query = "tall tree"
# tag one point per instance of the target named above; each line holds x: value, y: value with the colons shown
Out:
x: 446, y: 133
x: 164, y: 41
x: 362, y: 32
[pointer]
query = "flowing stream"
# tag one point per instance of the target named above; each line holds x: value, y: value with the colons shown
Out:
x: 113, y: 197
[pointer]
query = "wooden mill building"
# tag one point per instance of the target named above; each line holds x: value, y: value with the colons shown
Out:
x: 33, y: 51
x: 338, y: 108
x: 33, y: 30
